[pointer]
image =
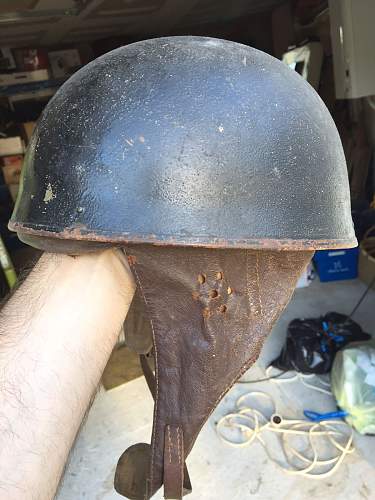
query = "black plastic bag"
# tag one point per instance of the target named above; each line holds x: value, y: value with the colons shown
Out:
x: 311, y: 344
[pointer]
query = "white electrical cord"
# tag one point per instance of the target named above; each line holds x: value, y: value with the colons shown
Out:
x: 300, y: 377
x: 252, y: 423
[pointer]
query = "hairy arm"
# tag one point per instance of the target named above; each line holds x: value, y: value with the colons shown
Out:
x: 56, y: 335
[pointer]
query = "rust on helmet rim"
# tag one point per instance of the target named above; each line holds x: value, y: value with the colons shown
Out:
x: 81, y: 233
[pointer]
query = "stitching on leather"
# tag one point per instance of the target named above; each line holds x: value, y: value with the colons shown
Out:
x: 178, y: 445
x: 253, y: 285
x: 157, y: 385
x: 247, y: 284
x: 180, y: 461
x: 258, y: 283
x: 169, y: 444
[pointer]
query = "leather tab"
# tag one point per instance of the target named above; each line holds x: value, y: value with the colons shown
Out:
x: 173, y: 462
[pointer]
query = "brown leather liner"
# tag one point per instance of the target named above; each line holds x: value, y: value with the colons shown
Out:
x: 210, y: 311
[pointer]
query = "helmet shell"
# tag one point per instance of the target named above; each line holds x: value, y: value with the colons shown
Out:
x: 187, y: 141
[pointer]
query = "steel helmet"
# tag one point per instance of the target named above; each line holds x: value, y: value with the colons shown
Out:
x: 186, y: 141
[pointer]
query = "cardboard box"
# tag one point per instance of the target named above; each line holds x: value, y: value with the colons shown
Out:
x: 64, y: 62
x: 13, y: 160
x: 13, y: 189
x: 27, y: 130
x: 11, y: 167
x: 38, y: 75
x: 7, y: 61
x: 10, y: 146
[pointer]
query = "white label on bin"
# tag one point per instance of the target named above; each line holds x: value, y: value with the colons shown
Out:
x: 336, y: 254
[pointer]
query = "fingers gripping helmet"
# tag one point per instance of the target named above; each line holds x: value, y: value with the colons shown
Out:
x: 219, y: 171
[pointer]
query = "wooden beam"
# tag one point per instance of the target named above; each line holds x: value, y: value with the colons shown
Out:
x: 163, y: 20
x: 61, y: 28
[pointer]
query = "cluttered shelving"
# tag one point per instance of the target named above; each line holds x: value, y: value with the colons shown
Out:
x: 29, y: 77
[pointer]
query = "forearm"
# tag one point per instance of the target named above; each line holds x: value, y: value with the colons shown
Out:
x: 56, y: 335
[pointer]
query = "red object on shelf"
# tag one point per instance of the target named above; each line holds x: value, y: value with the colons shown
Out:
x: 31, y: 59
x: 11, y: 167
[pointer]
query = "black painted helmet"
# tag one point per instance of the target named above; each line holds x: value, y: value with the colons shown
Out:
x: 185, y: 141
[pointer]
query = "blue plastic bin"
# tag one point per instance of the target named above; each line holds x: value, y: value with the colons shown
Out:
x: 333, y: 265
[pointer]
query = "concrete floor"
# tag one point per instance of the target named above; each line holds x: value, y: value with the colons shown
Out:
x: 123, y: 416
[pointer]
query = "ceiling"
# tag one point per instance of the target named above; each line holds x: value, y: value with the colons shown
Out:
x: 50, y: 22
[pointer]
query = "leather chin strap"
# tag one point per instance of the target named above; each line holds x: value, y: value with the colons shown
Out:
x: 210, y: 311
x: 173, y: 479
